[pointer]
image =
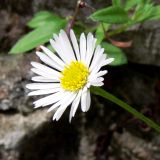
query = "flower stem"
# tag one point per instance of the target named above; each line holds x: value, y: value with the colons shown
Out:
x: 80, y: 4
x: 112, y: 98
x: 72, y: 21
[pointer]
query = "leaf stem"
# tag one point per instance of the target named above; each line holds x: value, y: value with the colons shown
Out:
x: 72, y: 21
x: 112, y: 98
x: 80, y: 4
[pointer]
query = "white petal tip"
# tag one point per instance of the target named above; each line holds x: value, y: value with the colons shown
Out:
x: 54, y: 35
x: 105, y: 72
x: 71, y: 31
x: 49, y: 110
x: 28, y: 86
x: 88, y: 85
x: 62, y: 31
x: 29, y: 94
x: 38, y: 53
x: 83, y: 109
x: 51, y: 40
x: 55, y: 118
x: 111, y: 60
x: 37, y: 107
x: 33, y: 63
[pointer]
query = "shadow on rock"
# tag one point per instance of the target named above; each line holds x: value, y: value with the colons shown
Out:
x: 51, y: 141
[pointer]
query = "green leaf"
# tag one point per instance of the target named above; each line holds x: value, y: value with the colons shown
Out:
x: 100, y: 35
x: 125, y: 106
x: 144, y: 12
x: 113, y: 15
x: 43, y: 17
x: 37, y: 37
x: 116, y: 2
x: 116, y: 53
x: 131, y: 3
x: 155, y: 13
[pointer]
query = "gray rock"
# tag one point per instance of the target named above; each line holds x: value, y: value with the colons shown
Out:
x: 145, y: 48
x: 14, y: 74
x: 14, y: 127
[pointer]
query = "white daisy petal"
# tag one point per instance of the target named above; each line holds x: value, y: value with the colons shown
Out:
x: 43, y: 92
x: 74, y: 105
x: 67, y: 46
x: 84, y: 100
x: 54, y: 106
x: 34, y: 86
x: 41, y: 73
x: 88, y: 104
x: 44, y: 79
x: 97, y: 80
x: 98, y: 59
x: 101, y: 73
x: 63, y: 107
x: 102, y: 62
x: 75, y: 44
x: 108, y: 61
x: 83, y: 47
x: 45, y: 69
x: 89, y: 44
x: 56, y: 99
x: 44, y: 58
x: 52, y: 56
x: 91, y: 41
x: 66, y: 95
x: 59, y: 49
x: 95, y: 56
x: 98, y: 84
x: 48, y: 100
x: 91, y: 77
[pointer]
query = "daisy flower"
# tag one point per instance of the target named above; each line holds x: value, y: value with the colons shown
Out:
x: 65, y: 78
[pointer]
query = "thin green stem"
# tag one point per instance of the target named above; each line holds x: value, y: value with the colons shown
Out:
x: 112, y: 98
x: 104, y: 31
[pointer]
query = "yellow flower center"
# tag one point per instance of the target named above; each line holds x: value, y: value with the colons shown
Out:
x: 74, y: 76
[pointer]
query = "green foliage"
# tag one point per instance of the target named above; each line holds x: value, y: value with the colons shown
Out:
x: 125, y: 106
x: 131, y: 3
x: 116, y: 2
x: 37, y: 37
x: 143, y: 13
x: 44, y: 24
x: 100, y: 35
x: 156, y: 13
x: 116, y: 53
x: 144, y: 10
x: 43, y: 17
x: 118, y: 13
x: 113, y: 15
